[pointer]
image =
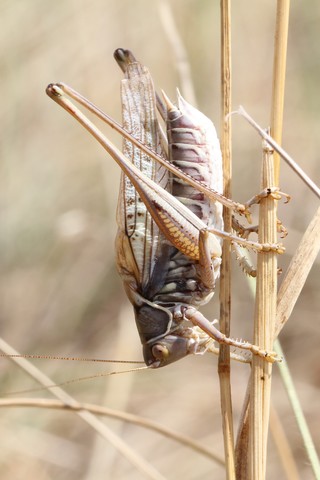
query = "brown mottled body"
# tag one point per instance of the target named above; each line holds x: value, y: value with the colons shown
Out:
x: 169, y: 238
x: 161, y: 270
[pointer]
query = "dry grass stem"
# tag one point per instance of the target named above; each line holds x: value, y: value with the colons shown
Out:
x: 288, y: 159
x: 242, y: 442
x: 264, y: 324
x: 266, y: 287
x: 116, y: 414
x: 251, y: 431
x: 225, y: 275
x: 279, y: 74
x: 288, y: 294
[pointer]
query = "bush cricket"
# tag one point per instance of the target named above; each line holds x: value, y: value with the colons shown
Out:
x: 170, y: 227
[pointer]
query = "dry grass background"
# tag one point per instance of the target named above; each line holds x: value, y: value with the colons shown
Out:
x: 60, y: 293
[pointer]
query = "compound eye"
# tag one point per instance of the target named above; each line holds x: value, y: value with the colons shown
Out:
x: 160, y: 352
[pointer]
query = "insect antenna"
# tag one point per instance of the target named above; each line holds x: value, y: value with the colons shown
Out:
x: 73, y: 380
x: 75, y: 359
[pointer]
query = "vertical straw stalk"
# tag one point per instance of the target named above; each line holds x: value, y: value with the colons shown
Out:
x: 255, y: 467
x: 266, y: 289
x: 225, y: 281
x: 264, y: 326
x: 279, y: 72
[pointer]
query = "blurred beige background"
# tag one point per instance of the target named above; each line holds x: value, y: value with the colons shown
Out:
x: 60, y: 293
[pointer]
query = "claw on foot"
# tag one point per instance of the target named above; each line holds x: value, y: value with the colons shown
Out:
x: 243, y: 231
x: 243, y: 210
x: 273, y: 247
x: 281, y: 229
x: 270, y: 357
x: 273, y: 192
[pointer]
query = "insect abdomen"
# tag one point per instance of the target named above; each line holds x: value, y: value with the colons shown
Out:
x: 194, y: 148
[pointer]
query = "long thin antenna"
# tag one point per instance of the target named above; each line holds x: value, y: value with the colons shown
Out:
x: 74, y: 380
x: 74, y: 359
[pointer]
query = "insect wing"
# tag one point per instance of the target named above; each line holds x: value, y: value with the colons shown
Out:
x: 137, y: 230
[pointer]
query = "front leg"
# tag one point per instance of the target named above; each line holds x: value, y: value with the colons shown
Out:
x: 195, y: 317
